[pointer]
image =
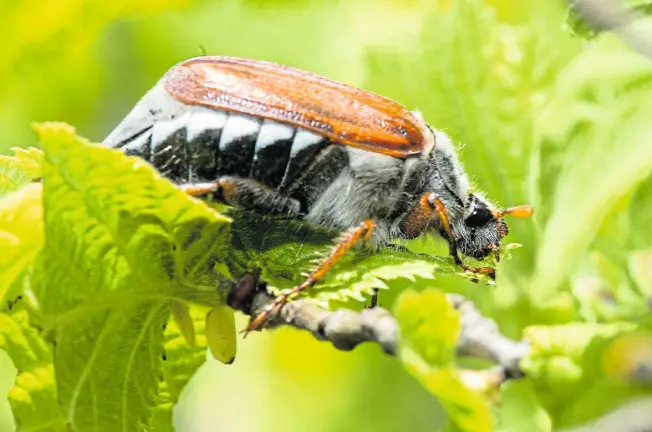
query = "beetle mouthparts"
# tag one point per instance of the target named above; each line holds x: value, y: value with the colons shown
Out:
x: 496, y: 251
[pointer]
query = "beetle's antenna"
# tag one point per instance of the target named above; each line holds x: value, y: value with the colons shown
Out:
x: 521, y: 212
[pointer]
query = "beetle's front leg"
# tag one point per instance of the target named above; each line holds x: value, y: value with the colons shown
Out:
x: 421, y: 216
x: 247, y: 194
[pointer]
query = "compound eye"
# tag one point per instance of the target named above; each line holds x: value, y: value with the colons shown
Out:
x: 480, y: 215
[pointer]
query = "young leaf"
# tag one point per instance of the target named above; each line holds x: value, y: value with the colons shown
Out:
x: 34, y: 396
x: 581, y: 371
x: 430, y: 328
x: 429, y: 325
x: 20, y: 169
x: 120, y: 243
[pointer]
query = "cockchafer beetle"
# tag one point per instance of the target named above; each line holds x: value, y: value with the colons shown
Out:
x: 281, y: 141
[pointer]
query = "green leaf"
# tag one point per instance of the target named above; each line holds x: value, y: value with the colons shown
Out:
x: 581, y: 371
x: 20, y: 169
x: 430, y: 327
x: 21, y: 233
x: 33, y: 398
x: 121, y: 243
x: 180, y: 363
x: 283, y: 249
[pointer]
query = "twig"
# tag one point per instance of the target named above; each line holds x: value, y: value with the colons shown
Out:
x: 346, y: 329
x: 614, y: 16
x: 481, y: 338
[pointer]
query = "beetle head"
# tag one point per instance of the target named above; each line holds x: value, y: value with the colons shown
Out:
x: 483, y: 227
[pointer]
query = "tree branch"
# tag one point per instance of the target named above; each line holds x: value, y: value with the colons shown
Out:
x: 346, y: 329
x: 614, y: 16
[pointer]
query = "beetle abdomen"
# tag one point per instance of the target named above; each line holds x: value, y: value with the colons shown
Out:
x: 204, y: 144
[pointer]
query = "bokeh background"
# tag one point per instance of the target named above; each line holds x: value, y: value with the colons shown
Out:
x: 541, y: 116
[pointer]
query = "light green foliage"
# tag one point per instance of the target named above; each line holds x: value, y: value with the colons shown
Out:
x: 34, y: 395
x: 612, y: 145
x: 131, y: 249
x: 430, y: 328
x: 121, y: 243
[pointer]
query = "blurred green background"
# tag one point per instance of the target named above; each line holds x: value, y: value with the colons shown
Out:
x: 542, y: 117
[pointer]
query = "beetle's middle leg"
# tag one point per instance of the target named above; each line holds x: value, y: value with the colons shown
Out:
x: 247, y: 194
x: 421, y: 216
x: 345, y: 242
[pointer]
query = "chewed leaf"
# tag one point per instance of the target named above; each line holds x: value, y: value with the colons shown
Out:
x: 20, y: 169
x: 221, y: 333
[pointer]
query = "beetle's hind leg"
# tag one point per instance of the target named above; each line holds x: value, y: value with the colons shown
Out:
x: 245, y: 193
x: 419, y: 218
x: 346, y: 242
